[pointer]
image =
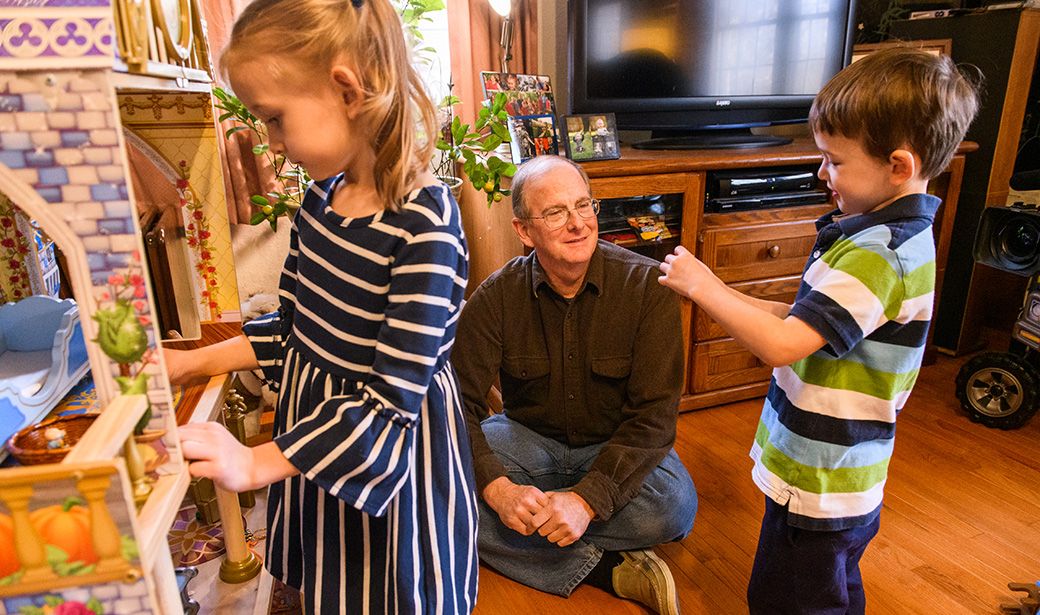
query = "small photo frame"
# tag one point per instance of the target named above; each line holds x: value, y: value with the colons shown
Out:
x: 532, y: 112
x: 532, y: 136
x: 591, y: 137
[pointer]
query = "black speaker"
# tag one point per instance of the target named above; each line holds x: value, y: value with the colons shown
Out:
x: 1009, y: 239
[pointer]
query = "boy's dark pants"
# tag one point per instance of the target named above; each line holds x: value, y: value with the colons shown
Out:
x: 801, y: 571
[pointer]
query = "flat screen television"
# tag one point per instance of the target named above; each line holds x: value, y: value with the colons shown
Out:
x: 702, y: 73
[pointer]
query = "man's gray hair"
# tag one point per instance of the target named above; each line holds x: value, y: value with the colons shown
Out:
x: 536, y: 167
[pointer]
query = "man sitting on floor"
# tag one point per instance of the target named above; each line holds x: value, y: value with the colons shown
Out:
x: 578, y: 475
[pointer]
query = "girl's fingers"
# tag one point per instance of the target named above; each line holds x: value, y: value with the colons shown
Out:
x: 203, y: 469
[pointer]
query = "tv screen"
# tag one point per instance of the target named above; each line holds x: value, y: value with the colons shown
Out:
x: 683, y: 65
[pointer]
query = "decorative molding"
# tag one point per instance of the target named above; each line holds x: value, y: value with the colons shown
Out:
x: 160, y: 104
x: 50, y: 38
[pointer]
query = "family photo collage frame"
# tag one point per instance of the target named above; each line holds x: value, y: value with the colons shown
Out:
x: 533, y: 126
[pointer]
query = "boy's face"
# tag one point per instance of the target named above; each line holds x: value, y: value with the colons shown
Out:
x: 858, y: 181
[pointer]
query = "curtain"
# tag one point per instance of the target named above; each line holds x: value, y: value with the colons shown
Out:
x: 475, y: 22
x: 244, y: 173
x: 478, y: 29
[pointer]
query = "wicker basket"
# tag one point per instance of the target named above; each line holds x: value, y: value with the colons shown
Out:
x: 29, y: 446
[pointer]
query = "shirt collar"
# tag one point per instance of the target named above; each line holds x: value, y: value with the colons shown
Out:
x: 593, y: 277
x: 909, y: 206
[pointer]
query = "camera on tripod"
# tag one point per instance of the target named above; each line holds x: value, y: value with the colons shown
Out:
x: 1002, y: 389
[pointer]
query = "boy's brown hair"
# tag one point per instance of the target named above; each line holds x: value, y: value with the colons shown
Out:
x: 900, y: 98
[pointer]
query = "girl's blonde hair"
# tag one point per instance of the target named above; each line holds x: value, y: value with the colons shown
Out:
x: 311, y: 35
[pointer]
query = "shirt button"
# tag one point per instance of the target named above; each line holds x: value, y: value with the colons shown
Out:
x: 570, y: 396
x: 570, y: 356
x: 816, y: 254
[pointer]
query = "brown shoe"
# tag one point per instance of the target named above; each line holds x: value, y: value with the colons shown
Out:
x: 644, y: 577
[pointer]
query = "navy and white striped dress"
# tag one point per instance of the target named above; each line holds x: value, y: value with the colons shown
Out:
x: 383, y: 517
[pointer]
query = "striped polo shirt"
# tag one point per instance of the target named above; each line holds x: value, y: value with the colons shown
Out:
x: 827, y: 429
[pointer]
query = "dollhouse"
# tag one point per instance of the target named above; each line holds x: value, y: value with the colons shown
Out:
x: 112, y: 209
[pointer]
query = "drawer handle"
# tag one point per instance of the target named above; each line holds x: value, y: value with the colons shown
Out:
x: 774, y: 251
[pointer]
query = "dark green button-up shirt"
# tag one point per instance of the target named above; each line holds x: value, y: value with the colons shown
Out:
x: 603, y: 366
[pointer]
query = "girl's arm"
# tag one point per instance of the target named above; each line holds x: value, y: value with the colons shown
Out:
x: 189, y: 367
x: 762, y: 327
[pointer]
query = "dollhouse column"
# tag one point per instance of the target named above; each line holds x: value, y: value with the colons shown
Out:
x: 27, y: 543
x: 103, y: 530
x: 240, y: 564
x: 135, y: 468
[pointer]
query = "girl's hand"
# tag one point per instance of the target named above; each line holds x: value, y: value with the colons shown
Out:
x: 184, y: 367
x: 217, y: 455
x: 684, y: 274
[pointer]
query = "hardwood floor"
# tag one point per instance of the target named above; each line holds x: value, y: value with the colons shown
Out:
x: 961, y: 517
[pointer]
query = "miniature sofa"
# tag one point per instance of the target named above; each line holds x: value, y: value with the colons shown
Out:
x: 42, y: 356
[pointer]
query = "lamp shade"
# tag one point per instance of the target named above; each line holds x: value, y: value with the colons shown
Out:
x: 502, y: 7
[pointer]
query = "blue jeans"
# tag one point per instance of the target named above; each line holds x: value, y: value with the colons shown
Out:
x: 807, y: 572
x: 662, y: 511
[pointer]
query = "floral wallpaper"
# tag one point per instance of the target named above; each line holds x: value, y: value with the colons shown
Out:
x: 14, y: 247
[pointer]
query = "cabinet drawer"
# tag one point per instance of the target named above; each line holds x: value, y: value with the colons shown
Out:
x: 741, y: 253
x: 724, y: 363
x: 776, y: 289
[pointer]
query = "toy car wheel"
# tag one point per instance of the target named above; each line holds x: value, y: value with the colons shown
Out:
x: 998, y: 389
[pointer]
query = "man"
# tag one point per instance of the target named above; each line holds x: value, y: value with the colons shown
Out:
x: 578, y: 476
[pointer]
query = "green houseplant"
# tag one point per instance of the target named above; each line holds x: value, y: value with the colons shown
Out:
x: 475, y: 147
x: 459, y: 144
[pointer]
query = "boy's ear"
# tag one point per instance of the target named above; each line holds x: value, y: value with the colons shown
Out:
x: 903, y: 166
x: 346, y: 81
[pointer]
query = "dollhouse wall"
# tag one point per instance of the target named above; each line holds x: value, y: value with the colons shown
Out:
x: 62, y: 163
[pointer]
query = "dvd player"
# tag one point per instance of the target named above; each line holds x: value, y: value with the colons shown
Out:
x: 743, y: 190
x: 765, y: 201
x: 722, y: 184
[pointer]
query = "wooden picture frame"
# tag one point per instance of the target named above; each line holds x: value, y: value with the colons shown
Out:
x: 937, y: 46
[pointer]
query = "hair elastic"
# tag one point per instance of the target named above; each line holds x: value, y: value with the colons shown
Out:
x: 357, y: 3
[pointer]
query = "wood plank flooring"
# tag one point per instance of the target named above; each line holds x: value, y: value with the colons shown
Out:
x: 961, y: 517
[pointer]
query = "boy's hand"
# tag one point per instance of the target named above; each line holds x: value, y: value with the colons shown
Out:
x: 684, y: 274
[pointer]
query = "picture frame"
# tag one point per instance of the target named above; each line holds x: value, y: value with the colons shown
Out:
x: 531, y: 106
x: 591, y: 136
x: 936, y: 46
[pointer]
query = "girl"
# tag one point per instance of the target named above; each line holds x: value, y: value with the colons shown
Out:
x: 371, y: 507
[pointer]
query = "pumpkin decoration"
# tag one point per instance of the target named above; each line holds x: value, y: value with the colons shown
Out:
x: 66, y: 526
x: 9, y: 563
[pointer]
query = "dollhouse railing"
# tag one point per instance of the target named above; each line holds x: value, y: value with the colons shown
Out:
x: 162, y: 38
x: 91, y: 484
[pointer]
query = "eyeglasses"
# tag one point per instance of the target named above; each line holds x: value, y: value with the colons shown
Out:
x: 556, y: 217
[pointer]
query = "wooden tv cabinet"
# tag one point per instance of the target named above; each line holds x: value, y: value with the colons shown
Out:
x: 758, y: 252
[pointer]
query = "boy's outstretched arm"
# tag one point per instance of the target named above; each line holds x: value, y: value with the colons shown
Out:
x: 762, y: 327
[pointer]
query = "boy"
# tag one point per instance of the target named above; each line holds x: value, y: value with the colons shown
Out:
x: 847, y: 352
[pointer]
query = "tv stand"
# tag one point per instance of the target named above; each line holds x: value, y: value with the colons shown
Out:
x: 730, y: 139
x: 760, y: 253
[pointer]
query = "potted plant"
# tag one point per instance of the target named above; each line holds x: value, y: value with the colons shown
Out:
x: 471, y: 148
x: 474, y: 148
